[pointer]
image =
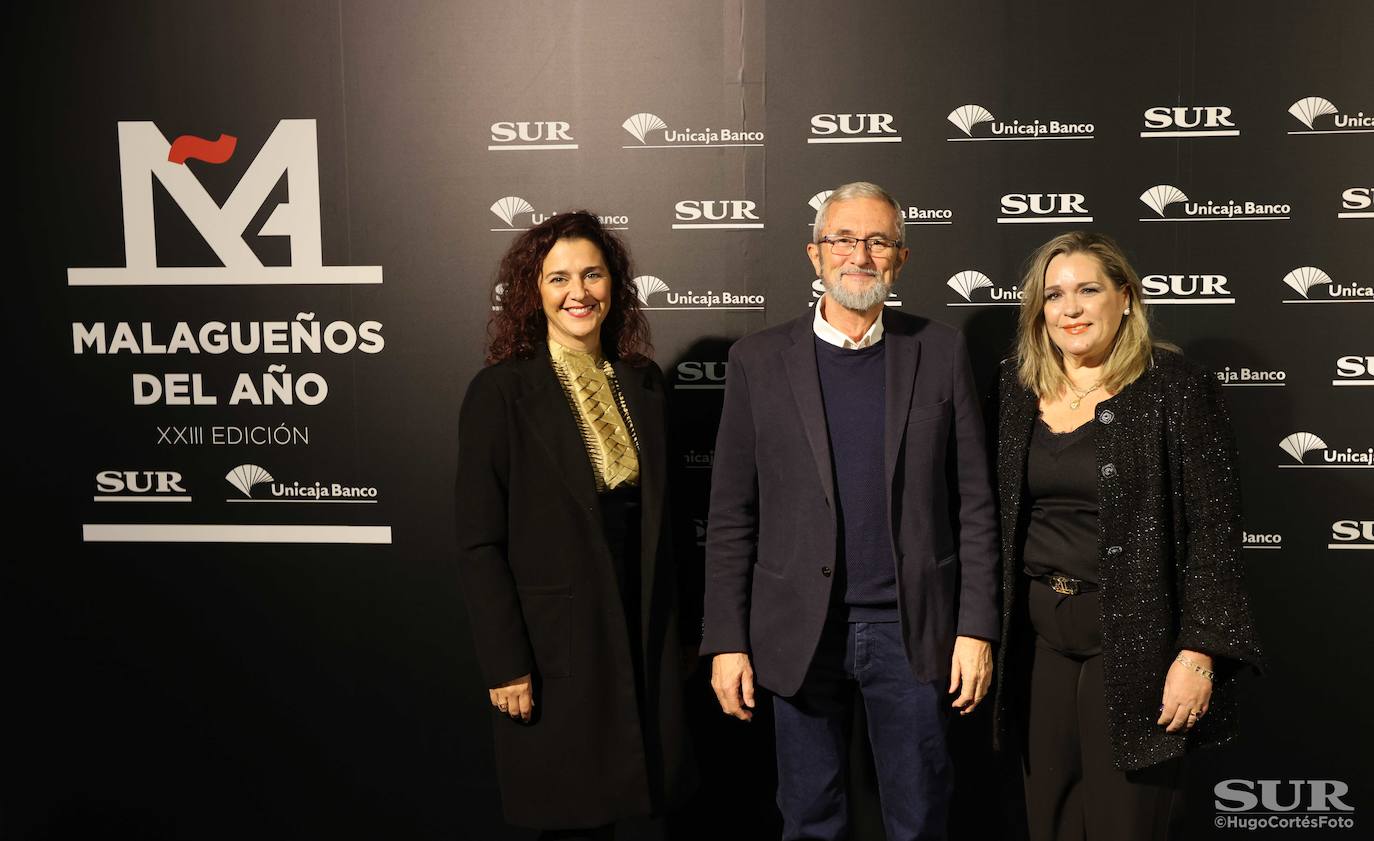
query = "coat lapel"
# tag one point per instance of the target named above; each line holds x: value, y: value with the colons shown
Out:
x: 1017, y: 423
x: 545, y: 413
x: 903, y: 356
x: 805, y: 379
x: 645, y: 404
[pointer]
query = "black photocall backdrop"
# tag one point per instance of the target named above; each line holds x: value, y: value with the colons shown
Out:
x: 226, y: 644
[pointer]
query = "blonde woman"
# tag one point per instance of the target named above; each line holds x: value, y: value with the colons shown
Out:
x: 1125, y: 619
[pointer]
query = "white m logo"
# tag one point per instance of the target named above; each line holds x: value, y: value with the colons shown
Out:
x: 290, y: 150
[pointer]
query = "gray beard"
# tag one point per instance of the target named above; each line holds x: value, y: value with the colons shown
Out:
x: 857, y: 301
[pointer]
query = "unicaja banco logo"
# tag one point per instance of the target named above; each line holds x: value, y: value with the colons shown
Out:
x: 969, y: 281
x: 971, y: 119
x: 246, y: 476
x: 1312, y: 112
x: 513, y: 210
x: 1161, y: 197
x: 1308, y: 280
x: 1299, y: 444
x: 911, y: 214
x: 647, y: 286
x: 1243, y: 376
x: 645, y: 127
x: 291, y: 151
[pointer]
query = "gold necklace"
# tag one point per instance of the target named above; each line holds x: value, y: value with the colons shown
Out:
x: 1073, y: 404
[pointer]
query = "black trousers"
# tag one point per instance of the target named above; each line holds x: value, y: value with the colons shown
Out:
x: 1073, y: 789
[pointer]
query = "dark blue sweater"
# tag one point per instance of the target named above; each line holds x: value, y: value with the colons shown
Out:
x: 853, y: 387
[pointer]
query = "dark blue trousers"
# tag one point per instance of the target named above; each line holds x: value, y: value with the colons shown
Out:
x: 906, y: 728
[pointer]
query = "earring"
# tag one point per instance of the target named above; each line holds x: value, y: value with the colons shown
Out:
x: 1126, y: 311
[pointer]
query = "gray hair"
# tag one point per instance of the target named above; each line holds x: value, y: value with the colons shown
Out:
x: 855, y: 190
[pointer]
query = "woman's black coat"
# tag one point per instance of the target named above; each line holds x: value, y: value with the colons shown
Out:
x: 543, y: 598
x: 1169, y: 554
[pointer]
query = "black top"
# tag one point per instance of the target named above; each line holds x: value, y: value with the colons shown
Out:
x: 853, y: 383
x: 1061, y: 481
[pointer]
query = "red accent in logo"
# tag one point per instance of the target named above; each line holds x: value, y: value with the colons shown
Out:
x: 189, y: 147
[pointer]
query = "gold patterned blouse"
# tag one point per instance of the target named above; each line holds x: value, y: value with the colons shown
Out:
x: 589, y: 382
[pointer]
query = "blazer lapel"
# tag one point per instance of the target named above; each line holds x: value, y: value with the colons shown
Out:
x: 903, y: 356
x: 805, y: 379
x: 1018, y: 423
x: 645, y: 405
x: 545, y: 413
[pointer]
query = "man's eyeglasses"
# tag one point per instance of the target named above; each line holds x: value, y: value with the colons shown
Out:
x: 877, y: 246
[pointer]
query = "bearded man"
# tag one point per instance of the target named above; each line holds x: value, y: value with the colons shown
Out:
x: 851, y: 542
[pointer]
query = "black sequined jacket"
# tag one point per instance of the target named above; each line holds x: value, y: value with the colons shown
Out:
x: 1169, y: 554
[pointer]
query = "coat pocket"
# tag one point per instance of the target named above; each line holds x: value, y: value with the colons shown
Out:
x: 548, y: 621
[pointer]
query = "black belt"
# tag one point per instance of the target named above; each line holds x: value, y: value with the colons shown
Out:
x: 1067, y: 585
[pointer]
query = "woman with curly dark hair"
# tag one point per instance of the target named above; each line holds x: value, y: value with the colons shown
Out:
x: 563, y: 539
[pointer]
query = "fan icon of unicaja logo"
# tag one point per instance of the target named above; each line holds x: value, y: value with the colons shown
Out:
x: 246, y: 476
x: 647, y: 285
x: 642, y: 123
x: 815, y: 202
x: 965, y: 117
x: 1300, y: 444
x: 1309, y: 110
x: 969, y: 280
x: 1306, y: 279
x: 508, y: 207
x: 1161, y: 196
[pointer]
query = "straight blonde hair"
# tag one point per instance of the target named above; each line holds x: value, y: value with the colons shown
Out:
x: 1040, y: 363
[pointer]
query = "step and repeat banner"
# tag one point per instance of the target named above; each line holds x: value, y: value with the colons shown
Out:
x: 257, y: 246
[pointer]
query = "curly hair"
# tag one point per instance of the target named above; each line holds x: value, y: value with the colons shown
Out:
x: 518, y: 324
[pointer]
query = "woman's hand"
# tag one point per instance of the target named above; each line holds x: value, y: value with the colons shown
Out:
x: 514, y: 698
x: 1187, y: 693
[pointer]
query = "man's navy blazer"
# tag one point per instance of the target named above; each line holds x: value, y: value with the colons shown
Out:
x: 772, y: 543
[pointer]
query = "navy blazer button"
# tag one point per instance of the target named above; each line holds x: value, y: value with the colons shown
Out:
x: 1109, y: 470
x: 825, y: 571
x: 1106, y: 416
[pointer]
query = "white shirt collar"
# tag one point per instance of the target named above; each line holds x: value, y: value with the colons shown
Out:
x: 829, y: 334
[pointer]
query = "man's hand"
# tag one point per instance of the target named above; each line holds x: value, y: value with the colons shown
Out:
x: 514, y: 698
x: 971, y: 666
x: 732, y: 677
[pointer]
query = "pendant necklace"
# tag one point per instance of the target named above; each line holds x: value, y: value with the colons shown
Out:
x: 1073, y: 404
